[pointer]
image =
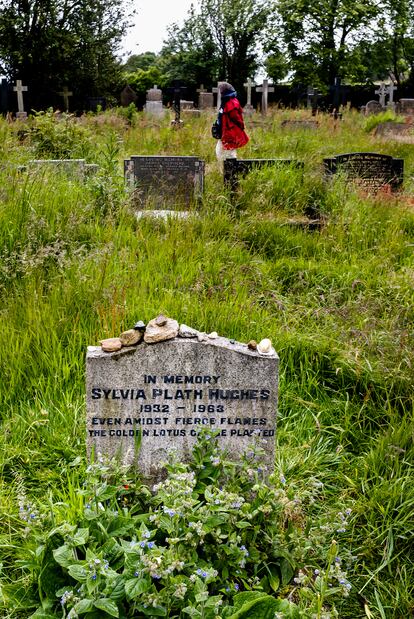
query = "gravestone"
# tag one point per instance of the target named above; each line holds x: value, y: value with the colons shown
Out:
x: 65, y: 93
x: 128, y: 96
x: 186, y: 105
x: 390, y: 92
x: 373, y: 107
x: 178, y: 91
x: 406, y: 107
x: 391, y: 128
x: 371, y: 171
x: 299, y: 124
x: 216, y: 91
x: 205, y: 99
x: 96, y: 104
x: 265, y: 89
x: 153, y: 104
x: 166, y: 181
x: 161, y: 394
x: 235, y: 168
x: 382, y: 92
x: 248, y: 108
x: 20, y: 89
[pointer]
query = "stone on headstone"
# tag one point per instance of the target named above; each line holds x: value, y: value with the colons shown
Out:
x: 128, y: 96
x: 160, y: 396
x: 166, y: 181
x: 371, y: 171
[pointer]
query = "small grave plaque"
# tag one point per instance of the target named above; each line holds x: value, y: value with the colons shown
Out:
x: 164, y: 393
x: 372, y: 171
x: 169, y: 181
x: 234, y: 168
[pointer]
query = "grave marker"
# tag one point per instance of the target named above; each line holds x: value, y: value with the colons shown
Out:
x: 382, y: 91
x: 153, y: 104
x: 372, y: 107
x: 162, y: 394
x: 406, y: 106
x: 265, y: 89
x: 248, y: 108
x: 65, y: 93
x: 234, y: 168
x: 371, y: 171
x: 168, y: 181
x: 390, y: 92
x: 20, y: 89
x: 216, y: 91
x: 205, y: 99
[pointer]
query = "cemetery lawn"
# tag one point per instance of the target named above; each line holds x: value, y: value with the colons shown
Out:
x: 76, y: 266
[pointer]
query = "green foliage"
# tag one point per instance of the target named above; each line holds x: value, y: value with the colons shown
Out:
x: 337, y: 301
x: 143, y: 79
x: 186, y: 548
x: 375, y: 119
x: 49, y: 45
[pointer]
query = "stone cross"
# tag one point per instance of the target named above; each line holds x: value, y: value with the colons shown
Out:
x: 249, y: 84
x: 20, y: 89
x: 201, y: 89
x: 382, y: 92
x: 65, y: 93
x: 264, y: 89
x: 218, y: 93
x: 390, y: 92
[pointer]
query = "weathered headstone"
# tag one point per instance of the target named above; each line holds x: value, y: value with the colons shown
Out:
x: 265, y: 89
x: 390, y: 92
x: 406, y: 107
x: 205, y: 99
x: 392, y: 128
x: 371, y: 171
x: 248, y: 108
x: 236, y: 168
x: 165, y: 181
x: 20, y: 89
x: 159, y: 396
x: 299, y: 124
x: 382, y: 92
x: 128, y: 96
x: 373, y: 107
x: 186, y: 105
x: 65, y: 93
x: 153, y: 104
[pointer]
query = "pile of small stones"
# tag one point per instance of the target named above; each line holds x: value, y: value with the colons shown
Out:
x: 163, y: 328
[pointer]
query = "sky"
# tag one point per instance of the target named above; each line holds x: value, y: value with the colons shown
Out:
x: 150, y: 24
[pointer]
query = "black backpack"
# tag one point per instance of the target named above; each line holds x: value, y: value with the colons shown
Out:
x: 216, y: 130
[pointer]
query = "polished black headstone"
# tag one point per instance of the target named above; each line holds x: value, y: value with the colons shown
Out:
x: 234, y: 168
x: 370, y: 170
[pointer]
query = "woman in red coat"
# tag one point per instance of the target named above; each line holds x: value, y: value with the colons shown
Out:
x: 230, y: 118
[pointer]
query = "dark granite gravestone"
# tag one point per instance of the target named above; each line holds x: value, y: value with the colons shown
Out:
x: 166, y: 181
x: 96, y: 103
x: 372, y: 171
x: 128, y: 96
x: 234, y: 168
x: 299, y: 124
x: 147, y: 401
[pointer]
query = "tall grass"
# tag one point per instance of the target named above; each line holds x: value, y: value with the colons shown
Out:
x: 76, y: 267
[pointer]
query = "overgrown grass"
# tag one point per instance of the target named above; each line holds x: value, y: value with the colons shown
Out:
x: 76, y: 266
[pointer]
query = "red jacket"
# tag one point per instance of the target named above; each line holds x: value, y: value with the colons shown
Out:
x: 232, y: 132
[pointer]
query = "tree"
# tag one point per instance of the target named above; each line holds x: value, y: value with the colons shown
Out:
x: 50, y: 43
x: 219, y: 42
x: 143, y: 61
x: 319, y: 35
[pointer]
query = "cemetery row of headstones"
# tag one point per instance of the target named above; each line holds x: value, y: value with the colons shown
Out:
x: 160, y: 182
x: 154, y: 99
